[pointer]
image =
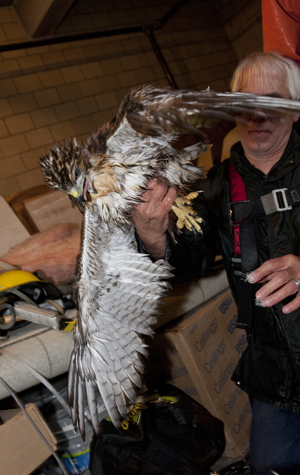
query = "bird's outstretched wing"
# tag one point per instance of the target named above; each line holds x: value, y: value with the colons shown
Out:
x: 118, y: 292
x: 149, y: 109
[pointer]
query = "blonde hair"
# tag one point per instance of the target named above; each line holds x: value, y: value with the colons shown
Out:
x: 265, y: 65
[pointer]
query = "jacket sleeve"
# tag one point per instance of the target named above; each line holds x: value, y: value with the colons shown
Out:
x: 194, y: 253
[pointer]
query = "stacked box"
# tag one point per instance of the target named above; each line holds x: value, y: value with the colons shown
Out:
x: 198, y: 353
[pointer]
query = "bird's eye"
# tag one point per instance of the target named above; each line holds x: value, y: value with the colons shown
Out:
x: 76, y: 173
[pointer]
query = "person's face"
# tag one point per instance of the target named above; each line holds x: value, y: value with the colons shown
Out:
x: 263, y: 136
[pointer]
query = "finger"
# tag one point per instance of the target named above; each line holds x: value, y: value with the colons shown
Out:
x: 271, y: 266
x: 277, y: 282
x: 152, y: 183
x: 293, y: 305
x: 168, y: 200
x: 286, y: 291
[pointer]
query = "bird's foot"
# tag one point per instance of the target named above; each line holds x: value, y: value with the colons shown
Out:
x: 186, y: 214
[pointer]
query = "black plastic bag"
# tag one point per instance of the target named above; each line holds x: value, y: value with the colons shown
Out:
x: 171, y: 435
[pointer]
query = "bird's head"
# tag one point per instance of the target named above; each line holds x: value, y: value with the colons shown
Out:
x: 66, y: 168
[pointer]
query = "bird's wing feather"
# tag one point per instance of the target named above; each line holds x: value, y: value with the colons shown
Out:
x: 118, y: 293
x: 152, y: 111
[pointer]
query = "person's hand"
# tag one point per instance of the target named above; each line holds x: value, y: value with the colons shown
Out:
x: 279, y: 273
x: 151, y: 216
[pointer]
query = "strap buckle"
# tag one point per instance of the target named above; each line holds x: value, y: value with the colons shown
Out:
x: 236, y: 264
x: 276, y: 201
x: 284, y: 200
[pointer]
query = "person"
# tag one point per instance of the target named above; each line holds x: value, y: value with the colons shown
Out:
x: 266, y: 158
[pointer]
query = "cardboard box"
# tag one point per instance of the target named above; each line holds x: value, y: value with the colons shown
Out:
x: 198, y: 353
x: 22, y: 449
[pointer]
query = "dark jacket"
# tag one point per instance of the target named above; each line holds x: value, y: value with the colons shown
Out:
x: 269, y: 369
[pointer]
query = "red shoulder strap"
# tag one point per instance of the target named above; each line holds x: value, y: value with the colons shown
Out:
x: 238, y: 193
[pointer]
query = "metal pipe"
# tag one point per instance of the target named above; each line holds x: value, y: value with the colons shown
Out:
x: 161, y: 59
x: 52, y: 40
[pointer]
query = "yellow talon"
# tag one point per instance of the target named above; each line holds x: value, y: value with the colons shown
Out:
x: 185, y: 213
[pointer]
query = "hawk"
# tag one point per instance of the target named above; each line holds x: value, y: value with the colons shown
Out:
x: 120, y: 290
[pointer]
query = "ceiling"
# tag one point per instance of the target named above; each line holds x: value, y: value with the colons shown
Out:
x: 39, y: 18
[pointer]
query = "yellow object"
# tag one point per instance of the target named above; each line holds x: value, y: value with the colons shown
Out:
x: 13, y: 278
x: 75, y: 193
x: 70, y: 326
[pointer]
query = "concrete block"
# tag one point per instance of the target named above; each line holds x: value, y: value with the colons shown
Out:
x: 8, y: 186
x: 83, y: 7
x: 102, y: 20
x: 7, y: 88
x: 54, y: 59
x: 29, y: 179
x: 43, y: 117
x: 47, y: 97
x: 112, y: 66
x: 133, y: 45
x: 69, y: 92
x: 66, y: 111
x: 6, y: 15
x: 38, y: 50
x: 138, y: 15
x: 51, y: 78
x: 130, y: 62
x: 62, y: 131
x: 154, y: 13
x: 5, y: 109
x: 148, y: 58
x: 75, y: 55
x: 87, y: 106
x: 19, y: 123
x: 146, y: 75
x: 91, y: 70
x: 120, y: 17
x: 14, y: 145
x: 32, y: 157
x: 72, y: 74
x: 31, y: 64
x: 109, y: 83
x: 28, y: 83
x: 22, y: 103
x: 39, y: 137
x: 9, y: 68
x: 82, y: 22
x: 90, y: 87
x: 102, y: 118
x: 85, y: 124
x: 106, y: 100
x: 13, y: 31
x: 3, y: 129
x: 113, y: 47
x: 128, y: 79
x: 11, y: 166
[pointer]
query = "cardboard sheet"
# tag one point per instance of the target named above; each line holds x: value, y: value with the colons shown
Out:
x: 198, y: 354
x: 53, y: 208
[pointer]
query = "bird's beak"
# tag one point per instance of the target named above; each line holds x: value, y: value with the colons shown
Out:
x: 84, y: 188
x: 75, y: 193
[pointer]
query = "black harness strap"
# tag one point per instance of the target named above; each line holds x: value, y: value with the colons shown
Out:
x: 242, y: 216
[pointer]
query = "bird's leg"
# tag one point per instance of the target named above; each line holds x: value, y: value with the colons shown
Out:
x: 185, y: 213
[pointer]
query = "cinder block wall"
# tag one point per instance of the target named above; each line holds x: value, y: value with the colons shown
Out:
x: 50, y: 93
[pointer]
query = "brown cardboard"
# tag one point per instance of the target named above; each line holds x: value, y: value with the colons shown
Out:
x: 22, y: 449
x: 198, y: 353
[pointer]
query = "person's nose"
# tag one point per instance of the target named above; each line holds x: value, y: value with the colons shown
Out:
x: 258, y: 116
